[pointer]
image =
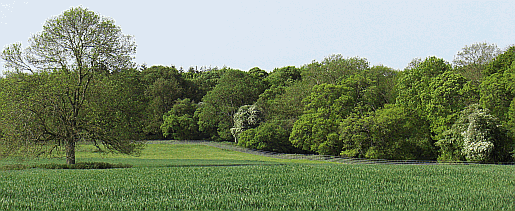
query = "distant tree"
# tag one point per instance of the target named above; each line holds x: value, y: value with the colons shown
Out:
x: 284, y: 102
x: 387, y: 133
x: 332, y: 69
x: 284, y: 76
x: 472, y: 60
x: 329, y: 104
x: 164, y: 85
x: 435, y: 92
x: 49, y: 108
x: 498, y: 88
x: 413, y: 85
x: 258, y: 73
x: 179, y: 123
x: 449, y: 93
x: 316, y: 129
x: 204, y: 81
x: 269, y: 136
x: 234, y: 89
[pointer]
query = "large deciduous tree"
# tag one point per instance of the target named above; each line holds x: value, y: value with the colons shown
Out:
x: 49, y: 84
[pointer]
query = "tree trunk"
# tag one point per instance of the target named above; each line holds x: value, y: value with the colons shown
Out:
x: 70, y: 152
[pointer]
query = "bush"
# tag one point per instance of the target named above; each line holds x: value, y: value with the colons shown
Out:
x: 270, y: 136
x: 476, y: 136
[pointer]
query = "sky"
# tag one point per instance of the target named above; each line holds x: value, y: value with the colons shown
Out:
x: 279, y: 33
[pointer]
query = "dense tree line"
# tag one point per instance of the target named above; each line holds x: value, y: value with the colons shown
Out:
x: 433, y: 109
x: 53, y: 97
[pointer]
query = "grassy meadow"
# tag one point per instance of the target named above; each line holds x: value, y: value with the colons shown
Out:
x: 199, y: 177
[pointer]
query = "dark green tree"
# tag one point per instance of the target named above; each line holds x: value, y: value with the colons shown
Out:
x: 269, y: 136
x: 284, y: 76
x: 204, y: 81
x: 164, y: 85
x: 179, y: 123
x: 258, y: 73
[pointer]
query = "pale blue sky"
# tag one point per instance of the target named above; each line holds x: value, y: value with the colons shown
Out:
x: 269, y: 34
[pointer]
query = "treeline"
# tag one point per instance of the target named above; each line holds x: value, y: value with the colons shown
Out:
x: 434, y: 109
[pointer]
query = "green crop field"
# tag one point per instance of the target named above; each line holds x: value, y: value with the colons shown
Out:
x: 198, y: 177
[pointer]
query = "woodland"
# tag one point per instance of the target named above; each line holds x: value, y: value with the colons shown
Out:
x: 66, y: 88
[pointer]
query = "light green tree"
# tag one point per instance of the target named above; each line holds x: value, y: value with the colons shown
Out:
x: 50, y: 82
x: 498, y: 88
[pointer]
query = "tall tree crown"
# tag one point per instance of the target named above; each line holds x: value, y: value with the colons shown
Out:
x: 76, y: 40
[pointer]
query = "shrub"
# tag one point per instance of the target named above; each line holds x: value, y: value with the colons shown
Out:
x: 270, y: 136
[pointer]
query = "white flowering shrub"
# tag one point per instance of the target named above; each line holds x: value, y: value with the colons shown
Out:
x: 247, y: 117
x: 476, y: 136
x: 478, y: 140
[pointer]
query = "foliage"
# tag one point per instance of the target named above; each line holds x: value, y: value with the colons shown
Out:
x: 33, y: 120
x: 449, y: 94
x: 501, y: 63
x: 204, y: 81
x: 328, y: 102
x: 476, y: 136
x: 284, y: 102
x: 284, y: 76
x: 258, y: 73
x: 472, y: 60
x: 270, y: 136
x: 328, y: 105
x: 215, y: 114
x: 332, y: 69
x: 179, y: 123
x: 65, y: 60
x: 315, y: 130
x: 498, y: 88
x: 164, y: 85
x: 116, y: 112
x: 413, y: 86
x: 436, y: 93
x: 388, y: 133
x: 247, y: 117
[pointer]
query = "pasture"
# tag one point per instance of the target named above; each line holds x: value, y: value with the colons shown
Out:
x: 198, y: 177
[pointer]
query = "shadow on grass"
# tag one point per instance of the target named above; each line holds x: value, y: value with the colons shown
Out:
x: 81, y: 165
x: 108, y: 163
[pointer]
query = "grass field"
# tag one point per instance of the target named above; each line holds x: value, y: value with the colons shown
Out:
x: 198, y: 177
